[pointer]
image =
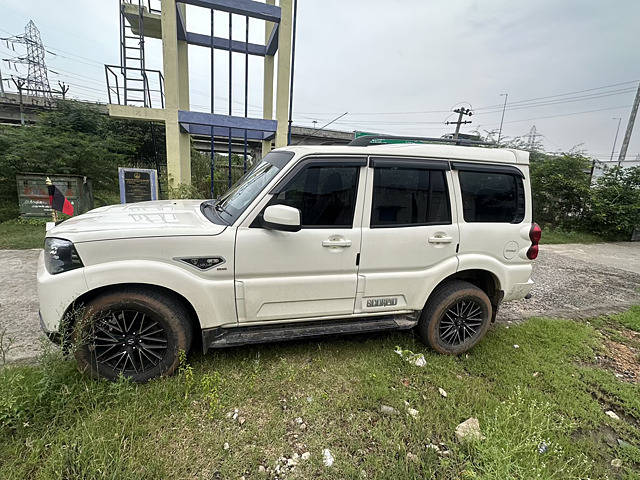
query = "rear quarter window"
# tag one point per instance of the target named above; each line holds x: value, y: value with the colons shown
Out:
x: 492, y: 197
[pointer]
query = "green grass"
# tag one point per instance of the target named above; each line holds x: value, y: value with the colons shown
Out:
x: 22, y: 234
x: 561, y: 236
x: 631, y: 319
x: 547, y: 394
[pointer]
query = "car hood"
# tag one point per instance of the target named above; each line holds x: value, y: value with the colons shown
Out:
x: 163, y: 218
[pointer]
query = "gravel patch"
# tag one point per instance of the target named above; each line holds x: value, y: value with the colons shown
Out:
x: 568, y: 285
x: 19, y: 304
x: 572, y: 281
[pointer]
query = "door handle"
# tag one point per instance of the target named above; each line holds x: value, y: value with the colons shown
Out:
x: 333, y: 243
x: 440, y: 239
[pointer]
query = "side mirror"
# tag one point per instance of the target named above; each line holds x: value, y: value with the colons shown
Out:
x: 281, y: 217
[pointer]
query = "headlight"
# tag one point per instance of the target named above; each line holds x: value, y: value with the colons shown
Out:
x: 60, y: 256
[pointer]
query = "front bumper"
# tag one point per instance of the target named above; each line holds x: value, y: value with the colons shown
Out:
x: 56, y: 293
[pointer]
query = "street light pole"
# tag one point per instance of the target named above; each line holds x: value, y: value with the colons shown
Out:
x: 504, y: 107
x: 615, y: 139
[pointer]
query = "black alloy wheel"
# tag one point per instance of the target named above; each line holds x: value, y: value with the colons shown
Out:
x: 455, y: 318
x: 128, y: 341
x: 461, y: 322
x: 134, y: 332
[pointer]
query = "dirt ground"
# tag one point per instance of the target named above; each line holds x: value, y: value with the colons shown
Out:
x: 572, y: 281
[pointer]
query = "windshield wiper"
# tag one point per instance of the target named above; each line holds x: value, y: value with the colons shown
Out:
x: 219, y: 208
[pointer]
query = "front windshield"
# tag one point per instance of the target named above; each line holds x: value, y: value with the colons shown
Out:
x: 243, y: 193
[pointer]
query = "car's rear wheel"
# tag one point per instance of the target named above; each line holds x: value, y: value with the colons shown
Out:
x: 456, y: 317
x: 134, y: 332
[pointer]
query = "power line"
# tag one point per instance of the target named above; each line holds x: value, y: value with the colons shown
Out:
x: 417, y: 123
x: 562, y: 94
x: 559, y: 102
x: 563, y: 115
x: 55, y: 28
x: 512, y: 105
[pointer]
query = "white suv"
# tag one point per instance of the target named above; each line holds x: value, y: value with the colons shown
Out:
x: 312, y: 241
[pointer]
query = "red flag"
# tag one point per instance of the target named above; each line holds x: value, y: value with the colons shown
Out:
x: 58, y: 201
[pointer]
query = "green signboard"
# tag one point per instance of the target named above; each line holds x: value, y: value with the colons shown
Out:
x: 33, y: 195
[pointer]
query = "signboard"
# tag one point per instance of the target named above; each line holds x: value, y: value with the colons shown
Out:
x: 137, y: 184
x: 33, y: 196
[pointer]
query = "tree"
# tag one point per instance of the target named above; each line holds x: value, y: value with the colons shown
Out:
x: 561, y: 189
x: 615, y: 203
x: 78, y: 139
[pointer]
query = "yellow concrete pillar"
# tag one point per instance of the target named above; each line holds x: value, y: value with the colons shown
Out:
x: 267, y: 102
x: 176, y: 90
x: 284, y: 72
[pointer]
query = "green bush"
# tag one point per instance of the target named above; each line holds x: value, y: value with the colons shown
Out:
x: 615, y: 203
x: 560, y: 185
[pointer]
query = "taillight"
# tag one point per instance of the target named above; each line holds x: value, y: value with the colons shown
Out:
x: 534, y: 234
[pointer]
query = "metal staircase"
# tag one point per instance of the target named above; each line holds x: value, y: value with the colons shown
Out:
x: 128, y: 83
x: 132, y: 62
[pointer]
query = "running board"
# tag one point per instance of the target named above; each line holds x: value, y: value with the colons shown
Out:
x: 234, y: 336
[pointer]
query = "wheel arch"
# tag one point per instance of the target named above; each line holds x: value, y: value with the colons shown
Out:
x: 87, y: 297
x: 485, y: 280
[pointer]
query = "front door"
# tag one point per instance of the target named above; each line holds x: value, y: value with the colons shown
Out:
x: 409, y: 240
x: 310, y: 273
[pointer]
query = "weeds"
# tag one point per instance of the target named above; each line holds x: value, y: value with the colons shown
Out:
x: 6, y: 344
x: 212, y: 385
x: 186, y: 372
x: 519, y: 441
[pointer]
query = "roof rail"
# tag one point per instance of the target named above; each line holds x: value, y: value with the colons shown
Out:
x: 366, y: 140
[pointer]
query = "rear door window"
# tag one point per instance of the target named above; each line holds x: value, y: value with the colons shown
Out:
x: 492, y: 197
x: 409, y: 197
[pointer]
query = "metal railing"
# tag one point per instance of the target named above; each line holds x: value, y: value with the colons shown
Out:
x: 150, y: 95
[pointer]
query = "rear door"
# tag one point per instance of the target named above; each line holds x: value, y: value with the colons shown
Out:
x: 409, y: 240
x: 494, y: 221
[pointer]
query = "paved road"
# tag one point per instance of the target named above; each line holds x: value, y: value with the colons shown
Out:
x: 624, y: 255
x: 571, y: 281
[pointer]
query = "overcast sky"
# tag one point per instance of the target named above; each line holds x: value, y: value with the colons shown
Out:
x: 570, y: 68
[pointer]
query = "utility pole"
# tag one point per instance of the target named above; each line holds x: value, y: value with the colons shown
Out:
x: 460, y: 111
x: 1, y: 85
x: 64, y: 88
x: 627, y: 135
x: 615, y: 140
x: 504, y: 107
x: 293, y: 59
x: 19, y: 82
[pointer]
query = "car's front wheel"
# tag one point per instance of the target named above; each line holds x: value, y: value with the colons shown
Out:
x: 455, y: 318
x: 134, y: 332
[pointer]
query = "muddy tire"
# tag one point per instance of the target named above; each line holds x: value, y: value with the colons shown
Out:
x: 136, y: 333
x: 456, y: 317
